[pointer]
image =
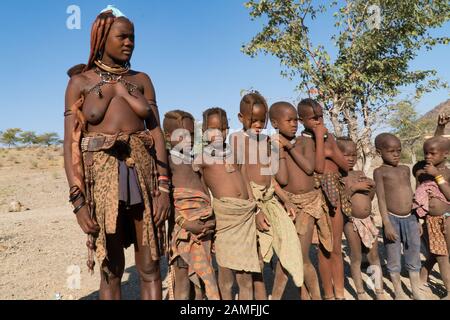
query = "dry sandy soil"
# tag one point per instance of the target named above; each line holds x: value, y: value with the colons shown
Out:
x: 38, y: 246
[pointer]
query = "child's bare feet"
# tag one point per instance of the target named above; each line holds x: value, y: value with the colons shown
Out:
x: 380, y: 295
x: 401, y: 296
x: 425, y: 287
x: 414, y: 277
x: 363, y: 296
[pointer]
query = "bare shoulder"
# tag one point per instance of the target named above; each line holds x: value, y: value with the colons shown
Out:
x: 305, y: 142
x: 82, y: 82
x: 78, y: 81
x: 446, y: 173
x: 378, y: 172
x: 77, y: 85
x: 141, y: 76
x: 404, y: 168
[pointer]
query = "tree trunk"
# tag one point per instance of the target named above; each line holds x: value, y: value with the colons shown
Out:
x: 337, y: 125
x: 351, y: 119
x: 367, y: 164
x: 334, y: 117
x: 413, y: 158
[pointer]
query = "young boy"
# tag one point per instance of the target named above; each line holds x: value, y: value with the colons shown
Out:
x: 234, y: 209
x: 298, y: 156
x: 431, y: 201
x: 276, y: 232
x: 194, y: 220
x: 400, y: 224
x: 328, y: 170
x: 360, y: 229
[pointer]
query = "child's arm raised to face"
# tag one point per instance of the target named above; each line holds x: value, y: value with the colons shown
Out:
x: 336, y: 155
x: 305, y: 160
x: 388, y: 229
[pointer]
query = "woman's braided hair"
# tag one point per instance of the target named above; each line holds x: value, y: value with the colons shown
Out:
x: 99, y: 34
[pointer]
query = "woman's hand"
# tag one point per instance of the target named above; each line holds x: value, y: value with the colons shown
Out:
x: 87, y: 224
x: 162, y: 208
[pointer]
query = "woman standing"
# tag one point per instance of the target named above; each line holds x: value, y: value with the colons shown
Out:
x: 115, y: 158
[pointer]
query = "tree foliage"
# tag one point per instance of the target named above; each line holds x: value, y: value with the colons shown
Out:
x: 373, y: 56
x: 10, y: 137
x: 28, y: 138
x: 14, y: 136
x: 48, y: 139
x: 410, y: 128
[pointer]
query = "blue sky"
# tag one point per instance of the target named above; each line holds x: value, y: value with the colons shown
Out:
x: 190, y: 49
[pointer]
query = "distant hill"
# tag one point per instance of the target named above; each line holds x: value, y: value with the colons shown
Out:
x: 433, y: 114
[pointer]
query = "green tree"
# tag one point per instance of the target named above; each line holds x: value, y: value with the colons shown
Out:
x: 9, y: 137
x: 375, y: 41
x: 410, y: 128
x: 28, y: 137
x: 48, y: 139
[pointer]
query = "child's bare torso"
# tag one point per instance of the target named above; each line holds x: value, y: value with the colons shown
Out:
x: 397, y: 189
x: 299, y: 182
x: 256, y: 162
x: 223, y: 183
x: 183, y: 176
x: 361, y: 201
x: 437, y: 207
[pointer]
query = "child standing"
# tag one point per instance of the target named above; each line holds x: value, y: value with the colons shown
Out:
x: 234, y: 209
x: 194, y: 220
x: 276, y: 232
x: 400, y: 224
x: 359, y: 229
x: 298, y: 156
x: 431, y: 201
x: 328, y: 173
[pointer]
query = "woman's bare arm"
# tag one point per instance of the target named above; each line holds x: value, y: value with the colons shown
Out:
x: 152, y: 123
x: 73, y: 94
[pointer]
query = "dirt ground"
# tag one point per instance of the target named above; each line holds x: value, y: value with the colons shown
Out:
x: 41, y: 249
